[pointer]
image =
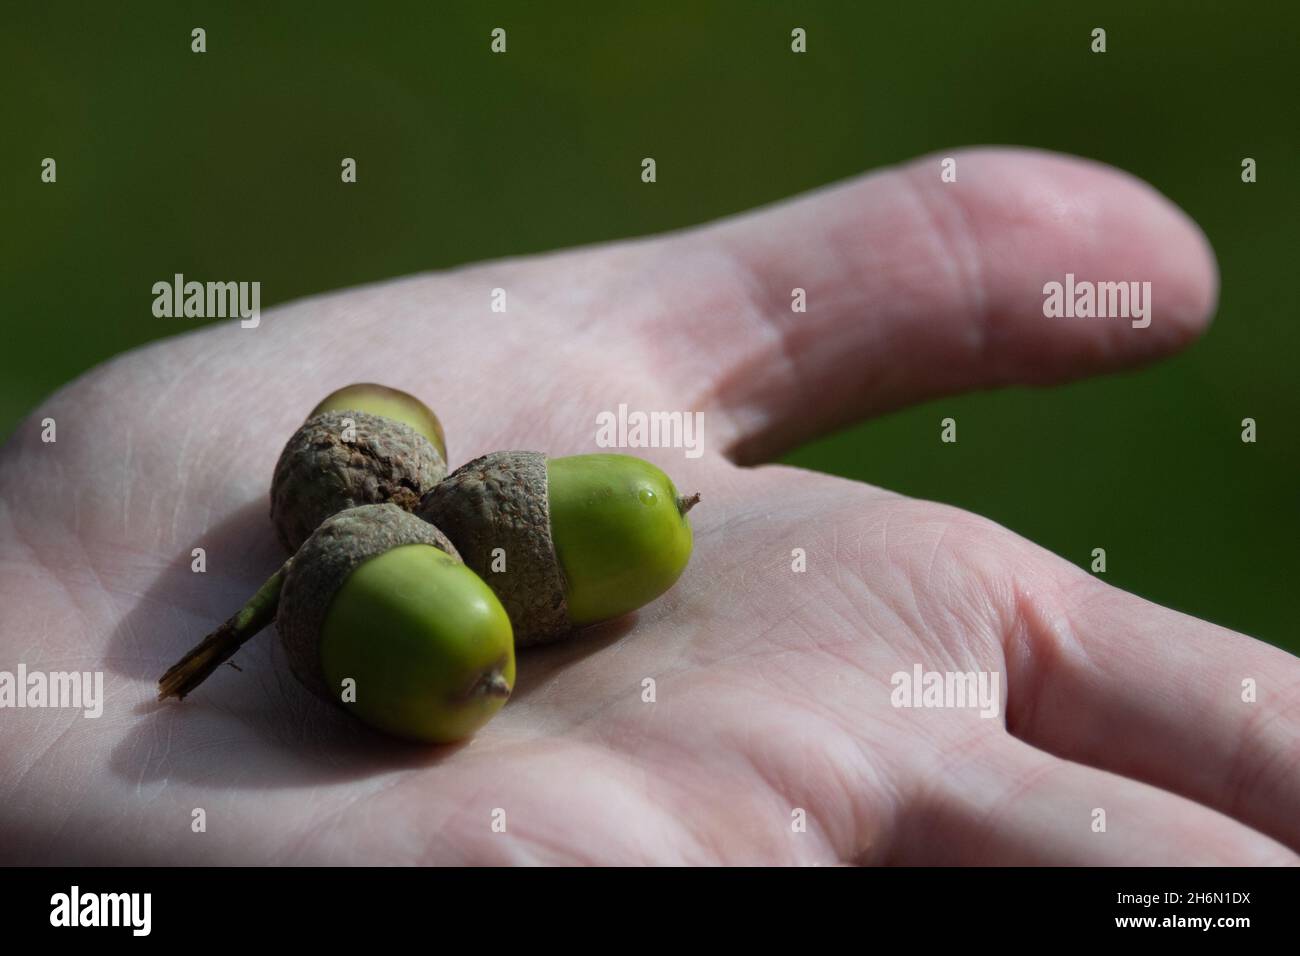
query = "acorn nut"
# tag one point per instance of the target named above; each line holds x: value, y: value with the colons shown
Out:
x: 389, y: 403
x: 564, y: 542
x: 363, y: 444
x: 377, y: 612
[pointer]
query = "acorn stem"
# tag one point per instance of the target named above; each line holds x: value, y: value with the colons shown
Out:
x: 687, y: 502
x: 215, y: 649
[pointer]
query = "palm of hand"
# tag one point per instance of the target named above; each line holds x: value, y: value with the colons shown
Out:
x: 772, y: 688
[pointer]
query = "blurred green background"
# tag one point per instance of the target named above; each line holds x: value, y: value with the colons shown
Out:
x: 226, y: 164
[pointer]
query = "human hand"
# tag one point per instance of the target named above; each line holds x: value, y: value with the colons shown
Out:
x: 773, y: 688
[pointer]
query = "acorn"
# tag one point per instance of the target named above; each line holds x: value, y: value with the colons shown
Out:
x: 390, y: 403
x: 377, y: 613
x: 363, y: 444
x: 564, y: 542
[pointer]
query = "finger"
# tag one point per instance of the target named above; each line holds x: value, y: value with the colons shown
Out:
x: 1017, y: 806
x: 917, y: 287
x: 1112, y: 680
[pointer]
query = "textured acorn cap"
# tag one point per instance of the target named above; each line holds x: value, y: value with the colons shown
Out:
x: 500, y: 501
x: 320, y: 474
x: 321, y: 566
x: 390, y: 403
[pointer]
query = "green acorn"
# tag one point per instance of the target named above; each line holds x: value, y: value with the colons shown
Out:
x: 377, y: 613
x: 388, y: 403
x: 564, y: 542
x: 363, y: 444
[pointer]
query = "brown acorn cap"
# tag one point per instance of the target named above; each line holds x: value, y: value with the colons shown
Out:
x: 500, y: 501
x: 334, y: 550
x: 320, y: 474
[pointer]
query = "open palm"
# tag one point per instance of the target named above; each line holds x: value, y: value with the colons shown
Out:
x: 771, y: 736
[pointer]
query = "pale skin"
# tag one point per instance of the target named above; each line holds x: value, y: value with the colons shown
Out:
x: 772, y: 688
